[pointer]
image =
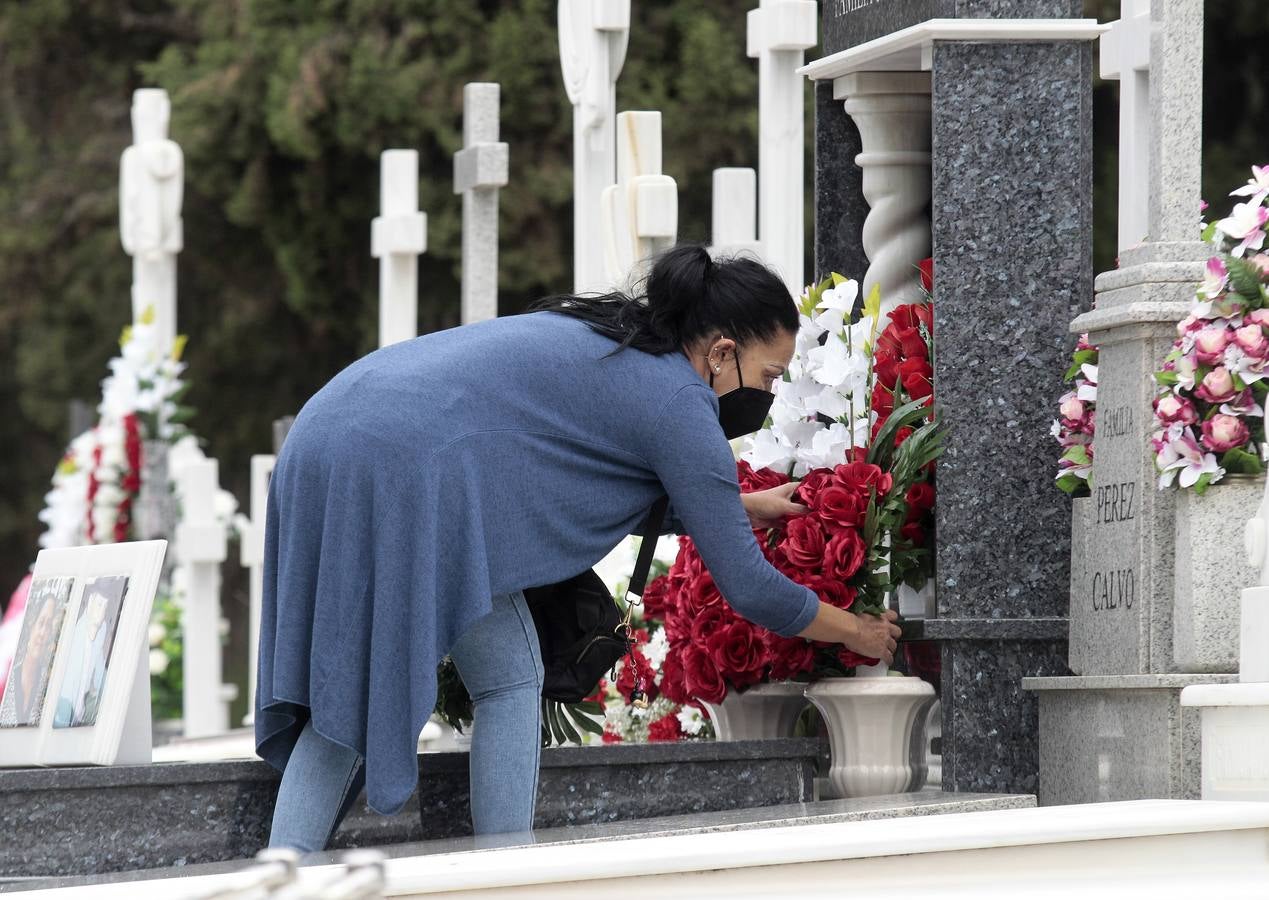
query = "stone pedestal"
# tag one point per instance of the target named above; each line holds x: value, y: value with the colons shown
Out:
x: 1118, y: 737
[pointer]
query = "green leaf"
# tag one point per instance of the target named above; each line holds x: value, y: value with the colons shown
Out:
x: 584, y: 721
x: 1244, y: 277
x: 1204, y: 481
x: 1239, y: 462
x: 1167, y: 379
x: 1078, y: 454
x: 1208, y: 233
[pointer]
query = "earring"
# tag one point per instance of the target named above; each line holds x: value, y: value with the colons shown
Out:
x: 718, y: 368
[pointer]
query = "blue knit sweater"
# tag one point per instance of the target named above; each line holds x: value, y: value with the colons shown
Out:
x: 436, y: 473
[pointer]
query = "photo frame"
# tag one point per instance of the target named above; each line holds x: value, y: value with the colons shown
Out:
x: 83, y: 693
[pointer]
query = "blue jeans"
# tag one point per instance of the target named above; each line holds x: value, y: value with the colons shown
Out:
x: 499, y: 660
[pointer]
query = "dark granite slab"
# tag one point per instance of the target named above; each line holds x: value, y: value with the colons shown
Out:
x: 895, y: 806
x: 79, y: 821
x: 1038, y: 629
x: 840, y: 207
x: 849, y: 23
x: 991, y: 725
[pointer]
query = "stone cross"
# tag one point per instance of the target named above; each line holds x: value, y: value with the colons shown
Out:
x: 1125, y: 57
x: 639, y: 212
x: 480, y: 168
x: 735, y: 226
x: 593, y: 35
x: 1124, y: 591
x: 397, y: 237
x: 251, y: 557
x: 778, y: 34
x: 200, y: 549
x: 151, y: 184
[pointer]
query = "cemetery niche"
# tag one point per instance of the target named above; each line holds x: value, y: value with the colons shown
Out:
x: 1037, y: 466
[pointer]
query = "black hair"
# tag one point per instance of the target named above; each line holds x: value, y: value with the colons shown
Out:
x: 687, y: 296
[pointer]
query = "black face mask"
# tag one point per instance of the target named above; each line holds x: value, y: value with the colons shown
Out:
x: 744, y: 410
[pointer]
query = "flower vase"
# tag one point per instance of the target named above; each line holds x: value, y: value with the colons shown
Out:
x: 1211, y: 572
x: 762, y: 712
x: 871, y: 721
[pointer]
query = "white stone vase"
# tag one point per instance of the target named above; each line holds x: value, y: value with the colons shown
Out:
x: 762, y: 712
x: 1211, y: 572
x: 871, y: 720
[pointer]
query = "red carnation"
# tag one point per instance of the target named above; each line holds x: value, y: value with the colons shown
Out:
x: 665, y: 729
x: 913, y: 533
x: 708, y: 622
x: 913, y: 344
x: 701, y: 593
x: 882, y: 401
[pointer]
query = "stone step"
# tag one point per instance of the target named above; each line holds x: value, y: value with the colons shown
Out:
x: 1146, y: 848
x: 86, y: 821
x: 923, y: 803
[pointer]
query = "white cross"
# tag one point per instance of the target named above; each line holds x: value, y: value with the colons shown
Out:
x: 735, y: 206
x: 397, y: 237
x: 1125, y: 56
x: 779, y: 32
x: 480, y: 168
x: 251, y: 556
x: 151, y: 187
x: 640, y: 212
x: 201, y: 548
x: 593, y: 35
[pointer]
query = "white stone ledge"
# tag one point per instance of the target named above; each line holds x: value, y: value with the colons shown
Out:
x: 1226, y: 695
x: 1123, y: 682
x: 909, y: 50
x: 1128, y: 314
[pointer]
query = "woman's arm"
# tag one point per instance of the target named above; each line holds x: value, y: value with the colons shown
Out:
x: 695, y: 464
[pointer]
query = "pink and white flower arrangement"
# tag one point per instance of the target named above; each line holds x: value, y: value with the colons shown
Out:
x: 1209, y: 413
x: 1073, y: 429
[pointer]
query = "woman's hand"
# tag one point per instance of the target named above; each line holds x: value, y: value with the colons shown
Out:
x: 872, y: 636
x: 767, y: 508
x: 875, y: 636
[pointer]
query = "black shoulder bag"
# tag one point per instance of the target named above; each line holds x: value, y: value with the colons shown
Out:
x: 581, y: 629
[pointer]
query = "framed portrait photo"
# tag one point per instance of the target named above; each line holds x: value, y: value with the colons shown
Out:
x: 79, y: 692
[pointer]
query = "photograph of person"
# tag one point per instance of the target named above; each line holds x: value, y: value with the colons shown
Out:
x: 89, y: 652
x: 37, y: 646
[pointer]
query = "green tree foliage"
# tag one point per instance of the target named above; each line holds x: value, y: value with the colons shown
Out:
x: 282, y: 108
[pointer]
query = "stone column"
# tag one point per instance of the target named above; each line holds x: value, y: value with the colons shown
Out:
x: 1012, y: 210
x: 892, y: 113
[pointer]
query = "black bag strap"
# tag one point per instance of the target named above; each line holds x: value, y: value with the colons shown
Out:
x: 651, y: 532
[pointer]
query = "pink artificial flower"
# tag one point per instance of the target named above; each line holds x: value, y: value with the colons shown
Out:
x: 1243, y: 405
x: 1186, y: 369
x: 1071, y: 409
x: 1245, y: 224
x: 1172, y: 409
x: 1257, y: 187
x: 1182, y: 455
x: 1261, y: 262
x: 1251, y: 339
x: 1083, y: 344
x: 1222, y: 432
x: 1211, y: 343
x: 1190, y: 324
x: 1217, y: 386
x: 1215, y: 277
x: 1257, y: 317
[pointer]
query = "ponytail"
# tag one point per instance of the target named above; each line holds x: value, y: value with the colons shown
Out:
x: 687, y: 296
